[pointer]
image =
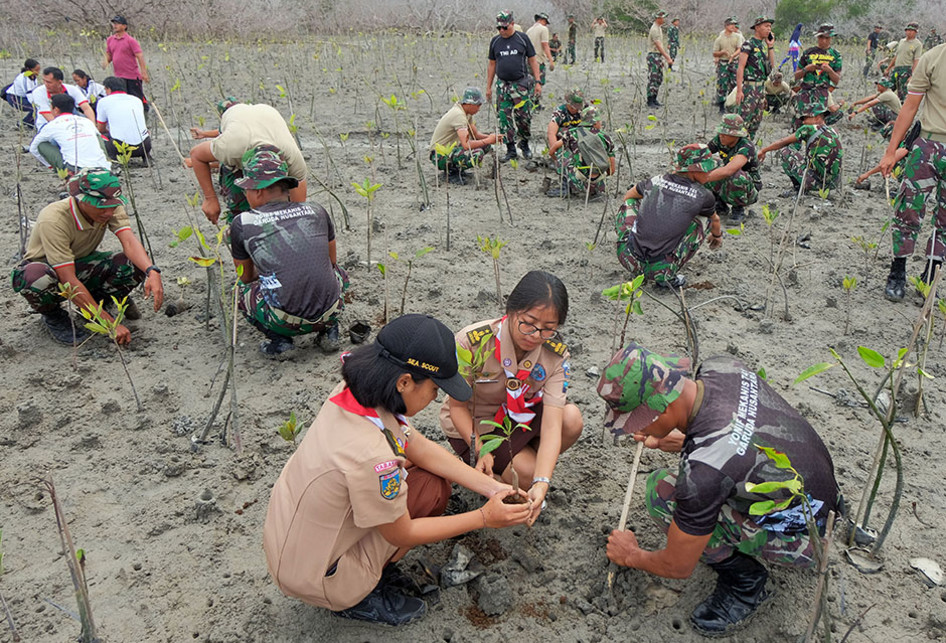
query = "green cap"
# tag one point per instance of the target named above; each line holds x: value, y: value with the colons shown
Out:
x: 759, y: 20
x: 504, y: 18
x: 575, y: 97
x: 912, y: 26
x: 542, y: 16
x: 262, y: 167
x: 98, y: 187
x: 732, y: 125
x: 827, y: 29
x: 660, y: 14
x: 225, y: 104
x: 695, y: 159
x: 472, y: 96
x: 886, y: 83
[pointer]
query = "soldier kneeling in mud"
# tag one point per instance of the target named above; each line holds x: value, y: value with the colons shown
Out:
x: 733, y: 432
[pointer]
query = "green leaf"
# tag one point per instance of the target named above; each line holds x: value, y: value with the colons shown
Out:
x: 924, y: 373
x: 464, y: 356
x: 492, y: 445
x: 761, y: 373
x: 204, y: 262
x: 381, y: 268
x: 97, y: 328
x: 420, y: 253
x: 491, y: 423
x: 871, y: 357
x: 793, y: 485
x: 811, y: 371
x: 761, y: 508
x: 780, y: 460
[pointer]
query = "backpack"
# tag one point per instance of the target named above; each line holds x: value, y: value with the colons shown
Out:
x: 592, y: 150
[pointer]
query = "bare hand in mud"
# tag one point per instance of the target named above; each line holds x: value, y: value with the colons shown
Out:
x: 671, y: 443
x: 499, y: 514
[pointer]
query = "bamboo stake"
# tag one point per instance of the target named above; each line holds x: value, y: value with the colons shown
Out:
x: 622, y: 523
x: 822, y: 575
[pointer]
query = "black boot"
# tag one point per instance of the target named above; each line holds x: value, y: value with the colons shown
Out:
x: 930, y: 268
x: 560, y: 191
x: 738, y: 214
x: 510, y: 152
x: 275, y: 343
x: 524, y: 146
x: 652, y: 101
x: 58, y: 324
x: 722, y: 108
x: 328, y: 339
x: 740, y: 589
x: 896, y: 280
x: 386, y: 605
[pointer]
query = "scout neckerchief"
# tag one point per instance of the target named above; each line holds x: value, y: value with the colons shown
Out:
x: 516, y: 406
x: 347, y: 401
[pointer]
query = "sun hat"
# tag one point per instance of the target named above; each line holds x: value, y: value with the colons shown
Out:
x: 472, y: 96
x: 695, y: 159
x: 732, y: 125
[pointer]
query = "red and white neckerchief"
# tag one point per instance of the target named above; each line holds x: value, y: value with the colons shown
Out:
x: 347, y: 401
x: 517, y: 407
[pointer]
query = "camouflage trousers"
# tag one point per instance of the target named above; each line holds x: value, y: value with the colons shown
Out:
x: 924, y: 172
x: 869, y: 61
x: 570, y: 53
x: 734, y: 531
x: 775, y: 102
x: 725, y: 79
x: 259, y: 313
x: 752, y: 105
x: 599, y: 45
x: 661, y: 270
x: 541, y: 75
x: 104, y: 275
x: 824, y: 166
x: 881, y: 115
x: 512, y: 119
x: 234, y: 199
x: 460, y: 158
x: 900, y: 76
x: 655, y: 73
x: 738, y: 190
x: 672, y: 49
x: 577, y: 179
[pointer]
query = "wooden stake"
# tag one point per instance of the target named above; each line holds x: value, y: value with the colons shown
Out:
x: 822, y: 575
x: 622, y: 523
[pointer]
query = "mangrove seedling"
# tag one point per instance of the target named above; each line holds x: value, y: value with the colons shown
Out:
x: 410, y: 265
x: 383, y: 269
x: 289, y: 429
x: 630, y: 292
x: 69, y: 292
x: 124, y: 158
x: 849, y: 284
x: 492, y: 441
x: 443, y: 152
x: 396, y: 106
x: 98, y: 322
x: 470, y: 365
x: 367, y: 190
x: 493, y: 247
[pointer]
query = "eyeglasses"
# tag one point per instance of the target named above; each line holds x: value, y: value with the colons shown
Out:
x: 531, y: 329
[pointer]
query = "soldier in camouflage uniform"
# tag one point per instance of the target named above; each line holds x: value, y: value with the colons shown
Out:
x: 572, y: 37
x: 565, y: 116
x: 932, y: 40
x: 290, y: 280
x: 578, y: 177
x: 734, y: 433
x: 884, y: 105
x: 655, y: 59
x: 737, y: 182
x: 819, y: 68
x: 726, y: 53
x: 908, y: 53
x: 756, y: 59
x: 924, y: 172
x: 673, y: 38
x: 812, y: 155
x: 659, y: 227
x: 456, y: 128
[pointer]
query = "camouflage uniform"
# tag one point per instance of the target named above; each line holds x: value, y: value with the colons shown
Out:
x: 673, y: 41
x: 924, y: 171
x: 232, y: 196
x: 513, y: 120
x: 252, y: 304
x: 754, y: 74
x: 571, y: 164
x: 742, y: 188
x: 824, y: 156
x: 932, y: 40
x: 104, y: 274
x: 655, y: 72
x: 572, y: 36
x: 815, y: 84
x: 460, y: 158
x: 662, y: 270
x: 900, y: 77
x: 725, y: 78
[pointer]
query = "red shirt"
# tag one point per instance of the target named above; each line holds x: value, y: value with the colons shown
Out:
x: 123, y: 52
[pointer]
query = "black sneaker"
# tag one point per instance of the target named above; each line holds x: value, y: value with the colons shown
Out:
x: 58, y: 324
x: 679, y: 281
x: 526, y: 152
x: 394, y: 579
x: 329, y: 341
x: 385, y: 605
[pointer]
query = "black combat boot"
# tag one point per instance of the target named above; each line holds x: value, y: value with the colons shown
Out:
x: 930, y: 268
x: 896, y: 280
x: 510, y: 151
x: 61, y: 329
x: 524, y: 146
x: 738, y: 214
x: 740, y: 589
x: 652, y: 101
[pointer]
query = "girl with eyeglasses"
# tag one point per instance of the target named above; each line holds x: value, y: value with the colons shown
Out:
x: 524, y: 377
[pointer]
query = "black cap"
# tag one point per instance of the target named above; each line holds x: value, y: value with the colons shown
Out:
x: 422, y: 345
x: 120, y: 20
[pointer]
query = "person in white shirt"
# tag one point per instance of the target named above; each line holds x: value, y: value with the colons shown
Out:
x: 120, y: 118
x: 18, y: 92
x: 92, y: 90
x: 52, y: 85
x: 68, y: 141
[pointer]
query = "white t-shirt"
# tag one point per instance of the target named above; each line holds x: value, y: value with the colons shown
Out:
x: 22, y: 86
x: 42, y: 100
x: 77, y: 138
x: 124, y: 115
x: 93, y: 91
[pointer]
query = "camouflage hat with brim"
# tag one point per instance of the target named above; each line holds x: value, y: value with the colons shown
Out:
x: 698, y: 158
x: 826, y: 30
x: 504, y: 18
x: 638, y: 385
x: 732, y: 125
x: 660, y: 14
x: 912, y: 26
x: 575, y: 97
x: 731, y: 20
x: 886, y: 83
x: 812, y: 104
x: 472, y: 96
x: 761, y: 20
x: 225, y: 104
x: 542, y: 16
x: 589, y: 115
x: 97, y: 187
x: 263, y: 166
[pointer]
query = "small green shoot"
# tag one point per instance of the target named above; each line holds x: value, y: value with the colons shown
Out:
x: 289, y: 429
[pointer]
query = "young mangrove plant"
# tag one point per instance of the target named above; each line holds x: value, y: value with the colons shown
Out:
x: 630, y: 292
x: 98, y: 322
x: 493, y: 247
x: 470, y: 366
x: 289, y: 429
x: 492, y: 441
x: 367, y: 190
x: 849, y: 284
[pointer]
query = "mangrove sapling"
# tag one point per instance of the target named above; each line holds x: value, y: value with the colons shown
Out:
x: 367, y: 190
x: 100, y: 323
x: 421, y: 179
x: 76, y: 564
x: 493, y: 247
x: 289, y: 429
x: 630, y: 292
x: 941, y: 304
x: 849, y: 284
x: 124, y: 158
x: 396, y: 106
x: 443, y: 152
x: 492, y: 441
x: 869, y: 248
x: 410, y: 265
x: 770, y: 214
x: 69, y: 292
x: 181, y: 305
x: 470, y: 365
x: 383, y: 269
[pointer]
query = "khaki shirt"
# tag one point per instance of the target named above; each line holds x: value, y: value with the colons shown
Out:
x: 548, y: 363
x: 656, y: 35
x: 598, y: 29
x: 62, y: 234
x: 341, y: 483
x: 929, y: 79
x: 728, y: 43
x: 890, y: 99
x: 446, y: 131
x: 244, y: 127
x: 776, y: 90
x: 907, y: 52
x: 539, y: 33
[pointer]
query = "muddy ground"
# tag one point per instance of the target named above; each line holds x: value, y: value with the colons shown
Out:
x: 162, y: 566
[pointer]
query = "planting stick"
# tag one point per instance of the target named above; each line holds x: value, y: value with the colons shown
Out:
x: 22, y: 222
x: 820, y: 598
x: 10, y: 622
x: 622, y: 523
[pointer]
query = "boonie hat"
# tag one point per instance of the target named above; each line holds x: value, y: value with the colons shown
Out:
x: 912, y: 26
x: 542, y: 16
x: 472, y: 96
x: 420, y: 344
x: 885, y: 83
x: 813, y: 105
x: 827, y: 29
x: 262, y: 167
x: 97, y: 186
x: 504, y: 18
x: 638, y: 385
x: 731, y: 20
x: 732, y: 125
x: 575, y: 97
x: 119, y: 19
x: 695, y: 159
x: 762, y: 20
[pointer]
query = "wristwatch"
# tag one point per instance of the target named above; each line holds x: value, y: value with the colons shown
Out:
x: 150, y: 268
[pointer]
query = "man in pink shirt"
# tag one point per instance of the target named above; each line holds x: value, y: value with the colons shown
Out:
x: 125, y: 54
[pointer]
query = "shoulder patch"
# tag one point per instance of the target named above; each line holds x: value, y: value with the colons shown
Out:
x: 557, y: 347
x: 390, y: 484
x: 476, y: 335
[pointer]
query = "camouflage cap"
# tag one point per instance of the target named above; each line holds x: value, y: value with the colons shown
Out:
x: 589, y: 115
x: 98, y: 187
x: 811, y: 104
x: 776, y: 76
x: 226, y: 104
x: 731, y: 20
x: 695, y: 159
x: 575, y: 97
x: 912, y: 26
x: 878, y: 26
x: 542, y: 16
x: 732, y: 125
x: 472, y: 96
x: 262, y: 167
x: 660, y: 14
x: 826, y: 29
x: 761, y: 20
x: 504, y: 18
x: 886, y: 83
x: 638, y: 385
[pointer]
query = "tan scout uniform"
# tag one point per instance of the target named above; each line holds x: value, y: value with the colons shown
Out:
x: 907, y: 52
x: 538, y: 34
x: 62, y: 234
x: 890, y: 99
x: 549, y: 373
x: 341, y: 483
x: 244, y: 127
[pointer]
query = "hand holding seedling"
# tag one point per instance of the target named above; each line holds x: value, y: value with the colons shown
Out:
x: 537, y: 493
x: 671, y: 443
x: 497, y: 513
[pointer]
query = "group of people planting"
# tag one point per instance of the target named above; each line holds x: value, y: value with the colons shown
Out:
x: 364, y: 486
